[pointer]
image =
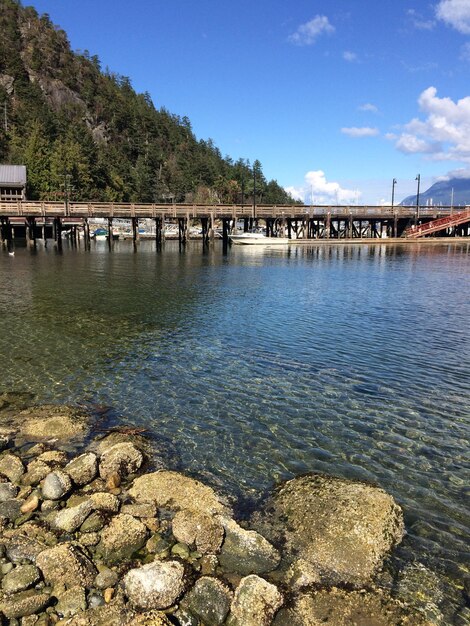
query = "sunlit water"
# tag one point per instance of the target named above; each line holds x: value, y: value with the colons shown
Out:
x: 261, y: 364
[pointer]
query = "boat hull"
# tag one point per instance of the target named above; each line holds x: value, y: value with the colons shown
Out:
x: 252, y: 239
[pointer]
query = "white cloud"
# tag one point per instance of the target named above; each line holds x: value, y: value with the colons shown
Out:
x: 318, y: 190
x: 455, y: 13
x: 349, y: 56
x: 364, y: 131
x: 368, y: 107
x: 308, y: 33
x: 418, y: 21
x: 445, y: 131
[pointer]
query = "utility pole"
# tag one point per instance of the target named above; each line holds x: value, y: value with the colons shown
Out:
x: 394, y: 182
x: 254, y: 191
x: 418, y: 178
x: 452, y: 201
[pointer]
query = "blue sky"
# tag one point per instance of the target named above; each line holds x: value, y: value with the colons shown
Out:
x: 334, y: 98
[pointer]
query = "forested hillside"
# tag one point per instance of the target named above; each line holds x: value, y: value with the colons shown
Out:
x: 62, y: 116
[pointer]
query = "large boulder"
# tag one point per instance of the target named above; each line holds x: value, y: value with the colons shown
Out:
x: 198, y: 529
x: 156, y: 585
x: 67, y: 564
x: 209, y: 600
x: 122, y: 459
x: 344, y: 529
x: 52, y: 422
x: 246, y: 551
x: 175, y: 491
x: 255, y: 602
x: 123, y: 536
x: 337, y: 607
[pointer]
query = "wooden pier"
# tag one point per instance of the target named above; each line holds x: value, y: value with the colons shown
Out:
x: 45, y: 220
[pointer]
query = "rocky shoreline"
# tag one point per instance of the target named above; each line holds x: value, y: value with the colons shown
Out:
x: 96, y: 538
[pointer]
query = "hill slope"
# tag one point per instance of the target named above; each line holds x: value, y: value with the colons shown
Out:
x: 441, y: 193
x: 65, y: 117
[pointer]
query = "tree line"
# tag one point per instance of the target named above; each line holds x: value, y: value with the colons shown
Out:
x: 71, y: 123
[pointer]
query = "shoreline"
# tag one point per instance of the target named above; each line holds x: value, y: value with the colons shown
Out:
x: 93, y: 534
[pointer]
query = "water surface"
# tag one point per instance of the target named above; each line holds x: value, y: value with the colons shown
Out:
x: 261, y: 364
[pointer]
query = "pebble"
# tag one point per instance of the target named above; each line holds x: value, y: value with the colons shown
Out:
x: 56, y: 485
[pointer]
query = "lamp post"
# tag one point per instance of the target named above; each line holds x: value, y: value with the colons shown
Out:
x: 418, y: 178
x: 394, y: 182
x: 254, y: 191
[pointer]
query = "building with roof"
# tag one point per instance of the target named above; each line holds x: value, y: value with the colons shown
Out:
x: 12, y: 182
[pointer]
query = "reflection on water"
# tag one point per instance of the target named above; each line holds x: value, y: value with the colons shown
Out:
x: 263, y: 363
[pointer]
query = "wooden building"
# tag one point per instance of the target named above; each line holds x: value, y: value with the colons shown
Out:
x: 12, y: 182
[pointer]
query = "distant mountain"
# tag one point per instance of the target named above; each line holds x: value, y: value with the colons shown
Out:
x: 441, y: 193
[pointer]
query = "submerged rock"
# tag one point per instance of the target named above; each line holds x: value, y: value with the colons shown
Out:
x: 52, y: 422
x: 337, y: 607
x: 246, y: 551
x: 255, y: 603
x: 343, y: 528
x: 156, y: 585
x: 175, y: 491
x: 420, y: 588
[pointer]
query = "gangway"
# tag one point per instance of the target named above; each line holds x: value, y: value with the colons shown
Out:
x: 414, y: 232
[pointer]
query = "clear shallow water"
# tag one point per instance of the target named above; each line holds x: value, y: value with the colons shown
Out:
x: 262, y: 364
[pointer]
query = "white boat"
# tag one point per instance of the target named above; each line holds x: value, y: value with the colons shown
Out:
x: 257, y: 239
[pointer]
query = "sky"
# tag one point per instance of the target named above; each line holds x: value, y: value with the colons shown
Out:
x: 336, y: 99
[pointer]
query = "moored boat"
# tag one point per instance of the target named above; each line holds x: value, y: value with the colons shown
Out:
x: 257, y: 239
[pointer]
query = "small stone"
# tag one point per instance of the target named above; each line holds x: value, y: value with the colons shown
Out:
x: 7, y: 491
x: 209, y: 600
x: 6, y: 567
x: 156, y: 585
x: 68, y: 564
x: 4, y: 442
x: 108, y: 594
x: 11, y: 467
x: 122, y: 537
x: 152, y: 523
x: 71, y: 602
x: 83, y: 469
x: 53, y: 457
x: 103, y: 501
x: 71, y: 519
x: 209, y: 564
x: 21, y: 578
x: 158, y: 546
x: 37, y: 471
x: 198, y: 529
x: 89, y: 539
x: 56, y: 485
x: 10, y: 509
x: 93, y: 523
x: 31, y: 504
x: 49, y: 505
x: 113, y: 481
x: 123, y: 458
x: 181, y: 550
x: 95, y: 600
x: 255, y: 603
x: 106, y: 578
x: 23, y: 603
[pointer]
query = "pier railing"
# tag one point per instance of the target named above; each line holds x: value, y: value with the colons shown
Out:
x: 124, y: 210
